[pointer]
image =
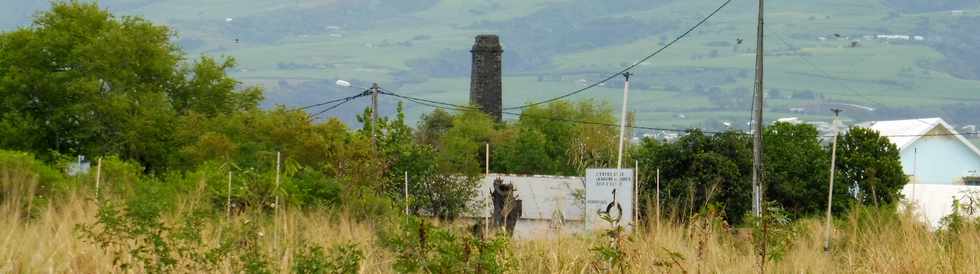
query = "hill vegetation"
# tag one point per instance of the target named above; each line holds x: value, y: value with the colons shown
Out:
x: 191, y: 175
x: 826, y: 48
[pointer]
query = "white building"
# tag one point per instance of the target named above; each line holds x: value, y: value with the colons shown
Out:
x: 941, y: 163
x: 932, y: 151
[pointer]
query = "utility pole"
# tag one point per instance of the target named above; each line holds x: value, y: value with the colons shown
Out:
x: 757, y: 120
x: 830, y: 192
x: 757, y: 170
x: 375, y: 89
x: 622, y: 121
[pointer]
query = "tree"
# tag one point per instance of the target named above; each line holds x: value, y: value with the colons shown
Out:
x: 699, y: 170
x: 81, y: 81
x: 433, y: 126
x: 561, y: 144
x: 797, y: 169
x: 461, y: 150
x: 524, y: 153
x: 442, y: 180
x: 870, y: 165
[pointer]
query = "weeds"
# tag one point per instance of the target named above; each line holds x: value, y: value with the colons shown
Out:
x: 345, y: 258
x: 422, y: 247
x: 612, y: 252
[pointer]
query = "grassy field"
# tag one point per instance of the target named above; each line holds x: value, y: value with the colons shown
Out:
x: 863, y: 243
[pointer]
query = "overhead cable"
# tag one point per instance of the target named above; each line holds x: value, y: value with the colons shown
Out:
x: 630, y: 67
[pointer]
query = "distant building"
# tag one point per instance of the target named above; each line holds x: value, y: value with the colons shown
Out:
x: 893, y: 37
x: 790, y: 120
x: 941, y: 164
x: 80, y: 167
x: 932, y: 151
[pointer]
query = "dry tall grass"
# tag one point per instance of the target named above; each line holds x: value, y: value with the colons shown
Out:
x: 49, y: 244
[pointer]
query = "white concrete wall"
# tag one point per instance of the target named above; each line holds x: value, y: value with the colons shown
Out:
x: 933, y: 201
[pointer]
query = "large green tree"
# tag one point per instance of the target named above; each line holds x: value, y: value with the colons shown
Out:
x: 560, y: 138
x: 81, y: 81
x: 797, y: 170
x: 870, y: 166
x: 697, y: 170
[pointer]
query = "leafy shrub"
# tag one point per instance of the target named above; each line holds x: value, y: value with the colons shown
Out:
x: 342, y: 259
x: 139, y: 241
x: 309, y: 188
x: 773, y: 234
x: 364, y: 204
x: 423, y: 247
x: 116, y: 176
x: 611, y: 253
x: 28, y: 181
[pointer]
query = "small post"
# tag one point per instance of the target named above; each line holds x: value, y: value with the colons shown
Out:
x: 658, y: 199
x: 98, y: 177
x: 228, y: 206
x: 915, y: 173
x: 636, y: 192
x: 406, y: 193
x: 275, y: 231
x: 486, y: 219
x: 830, y: 192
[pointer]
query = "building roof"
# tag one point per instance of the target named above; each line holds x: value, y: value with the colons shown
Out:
x: 543, y: 197
x: 904, y: 133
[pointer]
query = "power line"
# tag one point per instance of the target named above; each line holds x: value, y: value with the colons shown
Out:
x: 334, y: 100
x: 821, y: 71
x: 630, y: 67
x: 324, y: 103
x: 455, y: 107
x: 340, y: 102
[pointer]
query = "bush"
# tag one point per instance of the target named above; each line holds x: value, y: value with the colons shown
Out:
x: 342, y: 259
x: 117, y: 176
x: 28, y: 181
x: 422, y: 247
x: 311, y: 189
x: 139, y: 241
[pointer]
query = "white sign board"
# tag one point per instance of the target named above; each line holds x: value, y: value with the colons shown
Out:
x: 608, y: 192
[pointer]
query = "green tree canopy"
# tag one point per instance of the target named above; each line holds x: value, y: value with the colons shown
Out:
x: 81, y: 81
x: 797, y: 170
x: 870, y: 166
x: 698, y: 170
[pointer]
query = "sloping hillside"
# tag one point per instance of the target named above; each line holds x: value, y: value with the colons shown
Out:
x: 902, y: 58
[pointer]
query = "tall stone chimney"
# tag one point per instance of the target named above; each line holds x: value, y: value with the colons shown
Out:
x: 485, y: 82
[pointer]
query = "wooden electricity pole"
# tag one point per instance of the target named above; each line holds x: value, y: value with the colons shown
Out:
x: 758, y: 189
x: 375, y: 89
x: 757, y: 120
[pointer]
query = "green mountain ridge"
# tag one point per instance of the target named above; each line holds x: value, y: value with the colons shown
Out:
x: 820, y: 54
